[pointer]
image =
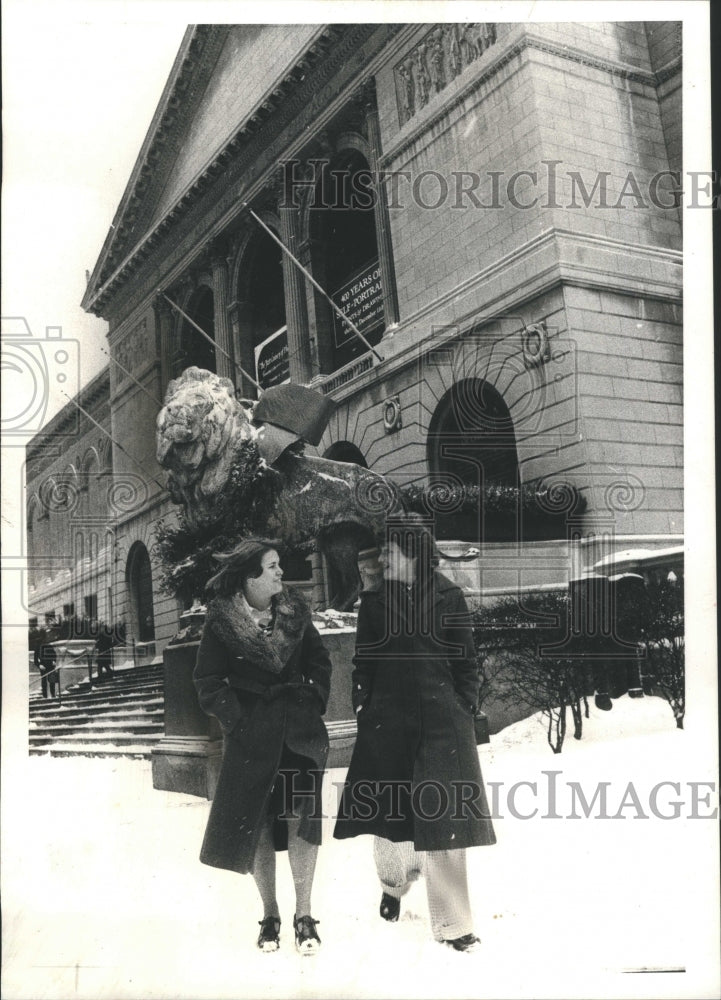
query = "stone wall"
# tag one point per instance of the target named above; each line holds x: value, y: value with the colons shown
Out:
x: 629, y: 355
x: 70, y: 500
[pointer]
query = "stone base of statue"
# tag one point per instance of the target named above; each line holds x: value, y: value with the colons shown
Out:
x: 339, y: 717
x: 188, y: 757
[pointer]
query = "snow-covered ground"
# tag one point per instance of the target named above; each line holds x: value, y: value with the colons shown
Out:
x: 103, y: 895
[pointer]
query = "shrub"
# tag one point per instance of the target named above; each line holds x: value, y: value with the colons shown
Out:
x: 528, y: 652
x: 658, y: 617
x: 515, y: 633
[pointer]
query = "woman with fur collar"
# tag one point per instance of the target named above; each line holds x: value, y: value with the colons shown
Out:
x: 263, y: 672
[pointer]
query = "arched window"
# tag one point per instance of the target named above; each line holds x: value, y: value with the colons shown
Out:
x: 34, y: 539
x: 471, y: 442
x: 346, y: 451
x: 345, y: 259
x: 193, y: 347
x: 139, y: 580
x: 265, y: 334
x: 88, y: 485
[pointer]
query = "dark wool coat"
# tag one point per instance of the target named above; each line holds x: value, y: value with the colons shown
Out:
x: 418, y: 687
x: 266, y: 691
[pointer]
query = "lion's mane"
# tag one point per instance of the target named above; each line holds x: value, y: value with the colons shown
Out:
x: 199, y: 431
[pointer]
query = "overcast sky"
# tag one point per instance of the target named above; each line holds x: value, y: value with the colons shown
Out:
x: 78, y: 97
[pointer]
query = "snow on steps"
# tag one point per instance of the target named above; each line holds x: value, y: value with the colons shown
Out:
x: 118, y: 717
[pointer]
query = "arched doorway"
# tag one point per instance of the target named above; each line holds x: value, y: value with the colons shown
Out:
x: 345, y: 259
x: 471, y: 443
x: 266, y: 330
x: 193, y: 347
x: 139, y: 581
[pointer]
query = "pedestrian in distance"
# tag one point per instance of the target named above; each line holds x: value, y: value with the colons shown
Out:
x: 264, y: 673
x: 104, y: 651
x: 46, y: 660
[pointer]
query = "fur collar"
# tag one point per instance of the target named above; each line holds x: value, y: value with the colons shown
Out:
x: 229, y: 619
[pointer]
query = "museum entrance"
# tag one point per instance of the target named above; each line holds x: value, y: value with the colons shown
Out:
x: 471, y: 447
x: 345, y: 259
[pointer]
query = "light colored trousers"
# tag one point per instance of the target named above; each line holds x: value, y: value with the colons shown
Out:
x: 449, y: 906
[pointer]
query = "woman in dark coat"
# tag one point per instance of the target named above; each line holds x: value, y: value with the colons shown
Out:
x: 263, y: 671
x: 414, y: 779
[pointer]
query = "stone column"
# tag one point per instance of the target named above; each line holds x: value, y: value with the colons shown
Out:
x: 164, y: 327
x: 319, y: 332
x: 380, y: 206
x: 224, y: 347
x: 296, y: 309
x: 239, y: 318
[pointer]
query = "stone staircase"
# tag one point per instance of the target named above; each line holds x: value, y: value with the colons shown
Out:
x: 118, y: 717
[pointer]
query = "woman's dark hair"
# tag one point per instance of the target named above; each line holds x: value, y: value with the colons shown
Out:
x: 414, y: 538
x: 244, y: 562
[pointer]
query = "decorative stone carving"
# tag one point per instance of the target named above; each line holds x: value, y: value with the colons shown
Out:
x: 407, y: 89
x: 469, y: 51
x: 436, y: 60
x: 422, y: 77
x: 454, y: 51
x: 133, y: 350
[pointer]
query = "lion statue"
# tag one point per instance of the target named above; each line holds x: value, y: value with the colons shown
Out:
x: 198, y: 432
x: 339, y: 505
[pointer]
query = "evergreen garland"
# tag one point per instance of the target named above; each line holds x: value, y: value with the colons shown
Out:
x: 496, y: 500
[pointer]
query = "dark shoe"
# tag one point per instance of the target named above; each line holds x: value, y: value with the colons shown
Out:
x: 269, y: 937
x: 469, y: 942
x: 307, y: 941
x: 603, y: 702
x: 390, y: 908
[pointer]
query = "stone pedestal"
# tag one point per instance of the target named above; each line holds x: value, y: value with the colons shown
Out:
x: 339, y: 716
x: 188, y: 757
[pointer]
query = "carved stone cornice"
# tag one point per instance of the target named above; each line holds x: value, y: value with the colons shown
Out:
x: 197, y: 54
x: 583, y: 58
x: 337, y: 49
x: 671, y: 69
x: 69, y: 421
x: 134, y: 349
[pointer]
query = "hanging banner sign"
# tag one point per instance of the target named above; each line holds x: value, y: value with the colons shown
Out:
x: 271, y: 360
x: 361, y: 300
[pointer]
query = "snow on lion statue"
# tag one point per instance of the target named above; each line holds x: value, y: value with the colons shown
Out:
x: 200, y: 431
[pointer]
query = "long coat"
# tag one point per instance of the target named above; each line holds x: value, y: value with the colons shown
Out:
x: 414, y: 774
x: 267, y: 692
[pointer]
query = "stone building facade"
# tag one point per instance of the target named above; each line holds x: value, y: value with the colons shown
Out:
x: 491, y: 204
x: 69, y: 480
